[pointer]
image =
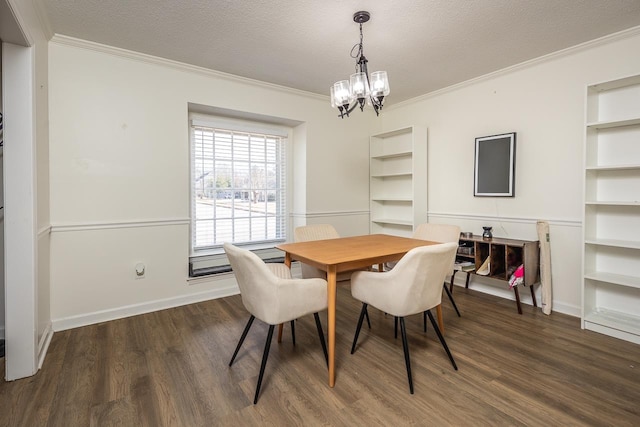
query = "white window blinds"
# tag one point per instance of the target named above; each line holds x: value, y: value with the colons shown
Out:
x: 238, y: 187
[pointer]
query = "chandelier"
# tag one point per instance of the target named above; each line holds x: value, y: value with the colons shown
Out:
x: 359, y: 89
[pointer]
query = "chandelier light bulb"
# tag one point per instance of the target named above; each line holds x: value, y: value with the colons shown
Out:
x: 379, y: 83
x: 341, y: 93
x: 333, y: 96
x: 359, y: 86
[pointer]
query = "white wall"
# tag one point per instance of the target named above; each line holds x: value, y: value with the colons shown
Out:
x: 119, y: 167
x: 543, y: 102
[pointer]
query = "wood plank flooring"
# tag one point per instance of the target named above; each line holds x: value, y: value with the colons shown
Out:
x: 170, y: 368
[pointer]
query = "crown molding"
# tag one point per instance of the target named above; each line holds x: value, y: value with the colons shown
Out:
x: 43, y: 17
x: 180, y: 66
x: 610, y: 38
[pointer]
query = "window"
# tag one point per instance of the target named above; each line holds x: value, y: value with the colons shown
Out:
x: 238, y: 187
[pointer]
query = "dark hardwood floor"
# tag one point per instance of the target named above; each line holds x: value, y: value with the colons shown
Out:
x: 171, y: 368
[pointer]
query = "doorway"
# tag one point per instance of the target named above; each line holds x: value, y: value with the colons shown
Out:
x: 19, y: 191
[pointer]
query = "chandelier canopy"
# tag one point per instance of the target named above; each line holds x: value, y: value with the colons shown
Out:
x: 360, y: 89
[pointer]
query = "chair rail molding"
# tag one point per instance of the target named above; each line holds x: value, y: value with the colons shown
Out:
x: 58, y: 228
x: 327, y: 214
x: 521, y: 220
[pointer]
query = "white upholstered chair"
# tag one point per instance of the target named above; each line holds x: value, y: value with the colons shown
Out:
x: 311, y: 232
x: 413, y: 286
x: 270, y: 293
x: 443, y: 233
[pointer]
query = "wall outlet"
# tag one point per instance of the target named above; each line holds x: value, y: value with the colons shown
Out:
x: 140, y: 270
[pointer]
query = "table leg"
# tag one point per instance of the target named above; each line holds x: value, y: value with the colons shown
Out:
x: 440, y: 319
x: 287, y: 262
x: 331, y: 321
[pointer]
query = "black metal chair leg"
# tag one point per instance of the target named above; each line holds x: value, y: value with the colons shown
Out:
x: 265, y: 355
x: 405, y: 346
x: 424, y: 320
x: 321, y: 335
x: 293, y: 331
x: 451, y: 298
x: 395, y: 326
x: 366, y: 314
x: 441, y: 338
x: 244, y: 335
x: 355, y: 338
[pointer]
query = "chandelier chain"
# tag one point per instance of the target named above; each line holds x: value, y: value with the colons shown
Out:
x: 360, y: 50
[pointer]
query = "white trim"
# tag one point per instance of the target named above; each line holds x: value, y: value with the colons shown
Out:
x: 569, y: 310
x: 20, y: 219
x: 239, y: 125
x: 43, y: 231
x: 327, y: 214
x: 621, y: 35
x: 43, y: 345
x: 226, y: 287
x: 520, y: 220
x: 85, y: 319
x: 142, y: 57
x: 502, y: 291
x: 58, y: 228
x: 18, y: 34
x: 43, y: 18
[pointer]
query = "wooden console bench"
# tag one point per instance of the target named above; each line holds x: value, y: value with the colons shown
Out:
x: 505, y: 255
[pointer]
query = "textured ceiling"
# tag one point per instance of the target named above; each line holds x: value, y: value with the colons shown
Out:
x: 305, y: 44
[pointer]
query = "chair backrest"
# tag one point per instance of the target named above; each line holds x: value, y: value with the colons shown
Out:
x: 415, y: 283
x: 306, y: 233
x: 310, y: 232
x: 443, y: 233
x: 256, y: 281
x: 270, y: 293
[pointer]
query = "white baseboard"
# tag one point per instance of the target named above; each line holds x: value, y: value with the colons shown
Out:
x: 225, y: 285
x: 570, y: 310
x: 1, y: 332
x: 43, y: 345
x: 503, y: 291
x: 71, y: 322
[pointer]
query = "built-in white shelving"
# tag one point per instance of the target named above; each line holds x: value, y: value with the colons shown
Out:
x: 398, y: 180
x: 611, y: 249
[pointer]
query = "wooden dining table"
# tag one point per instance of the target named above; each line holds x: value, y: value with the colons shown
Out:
x: 347, y: 254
